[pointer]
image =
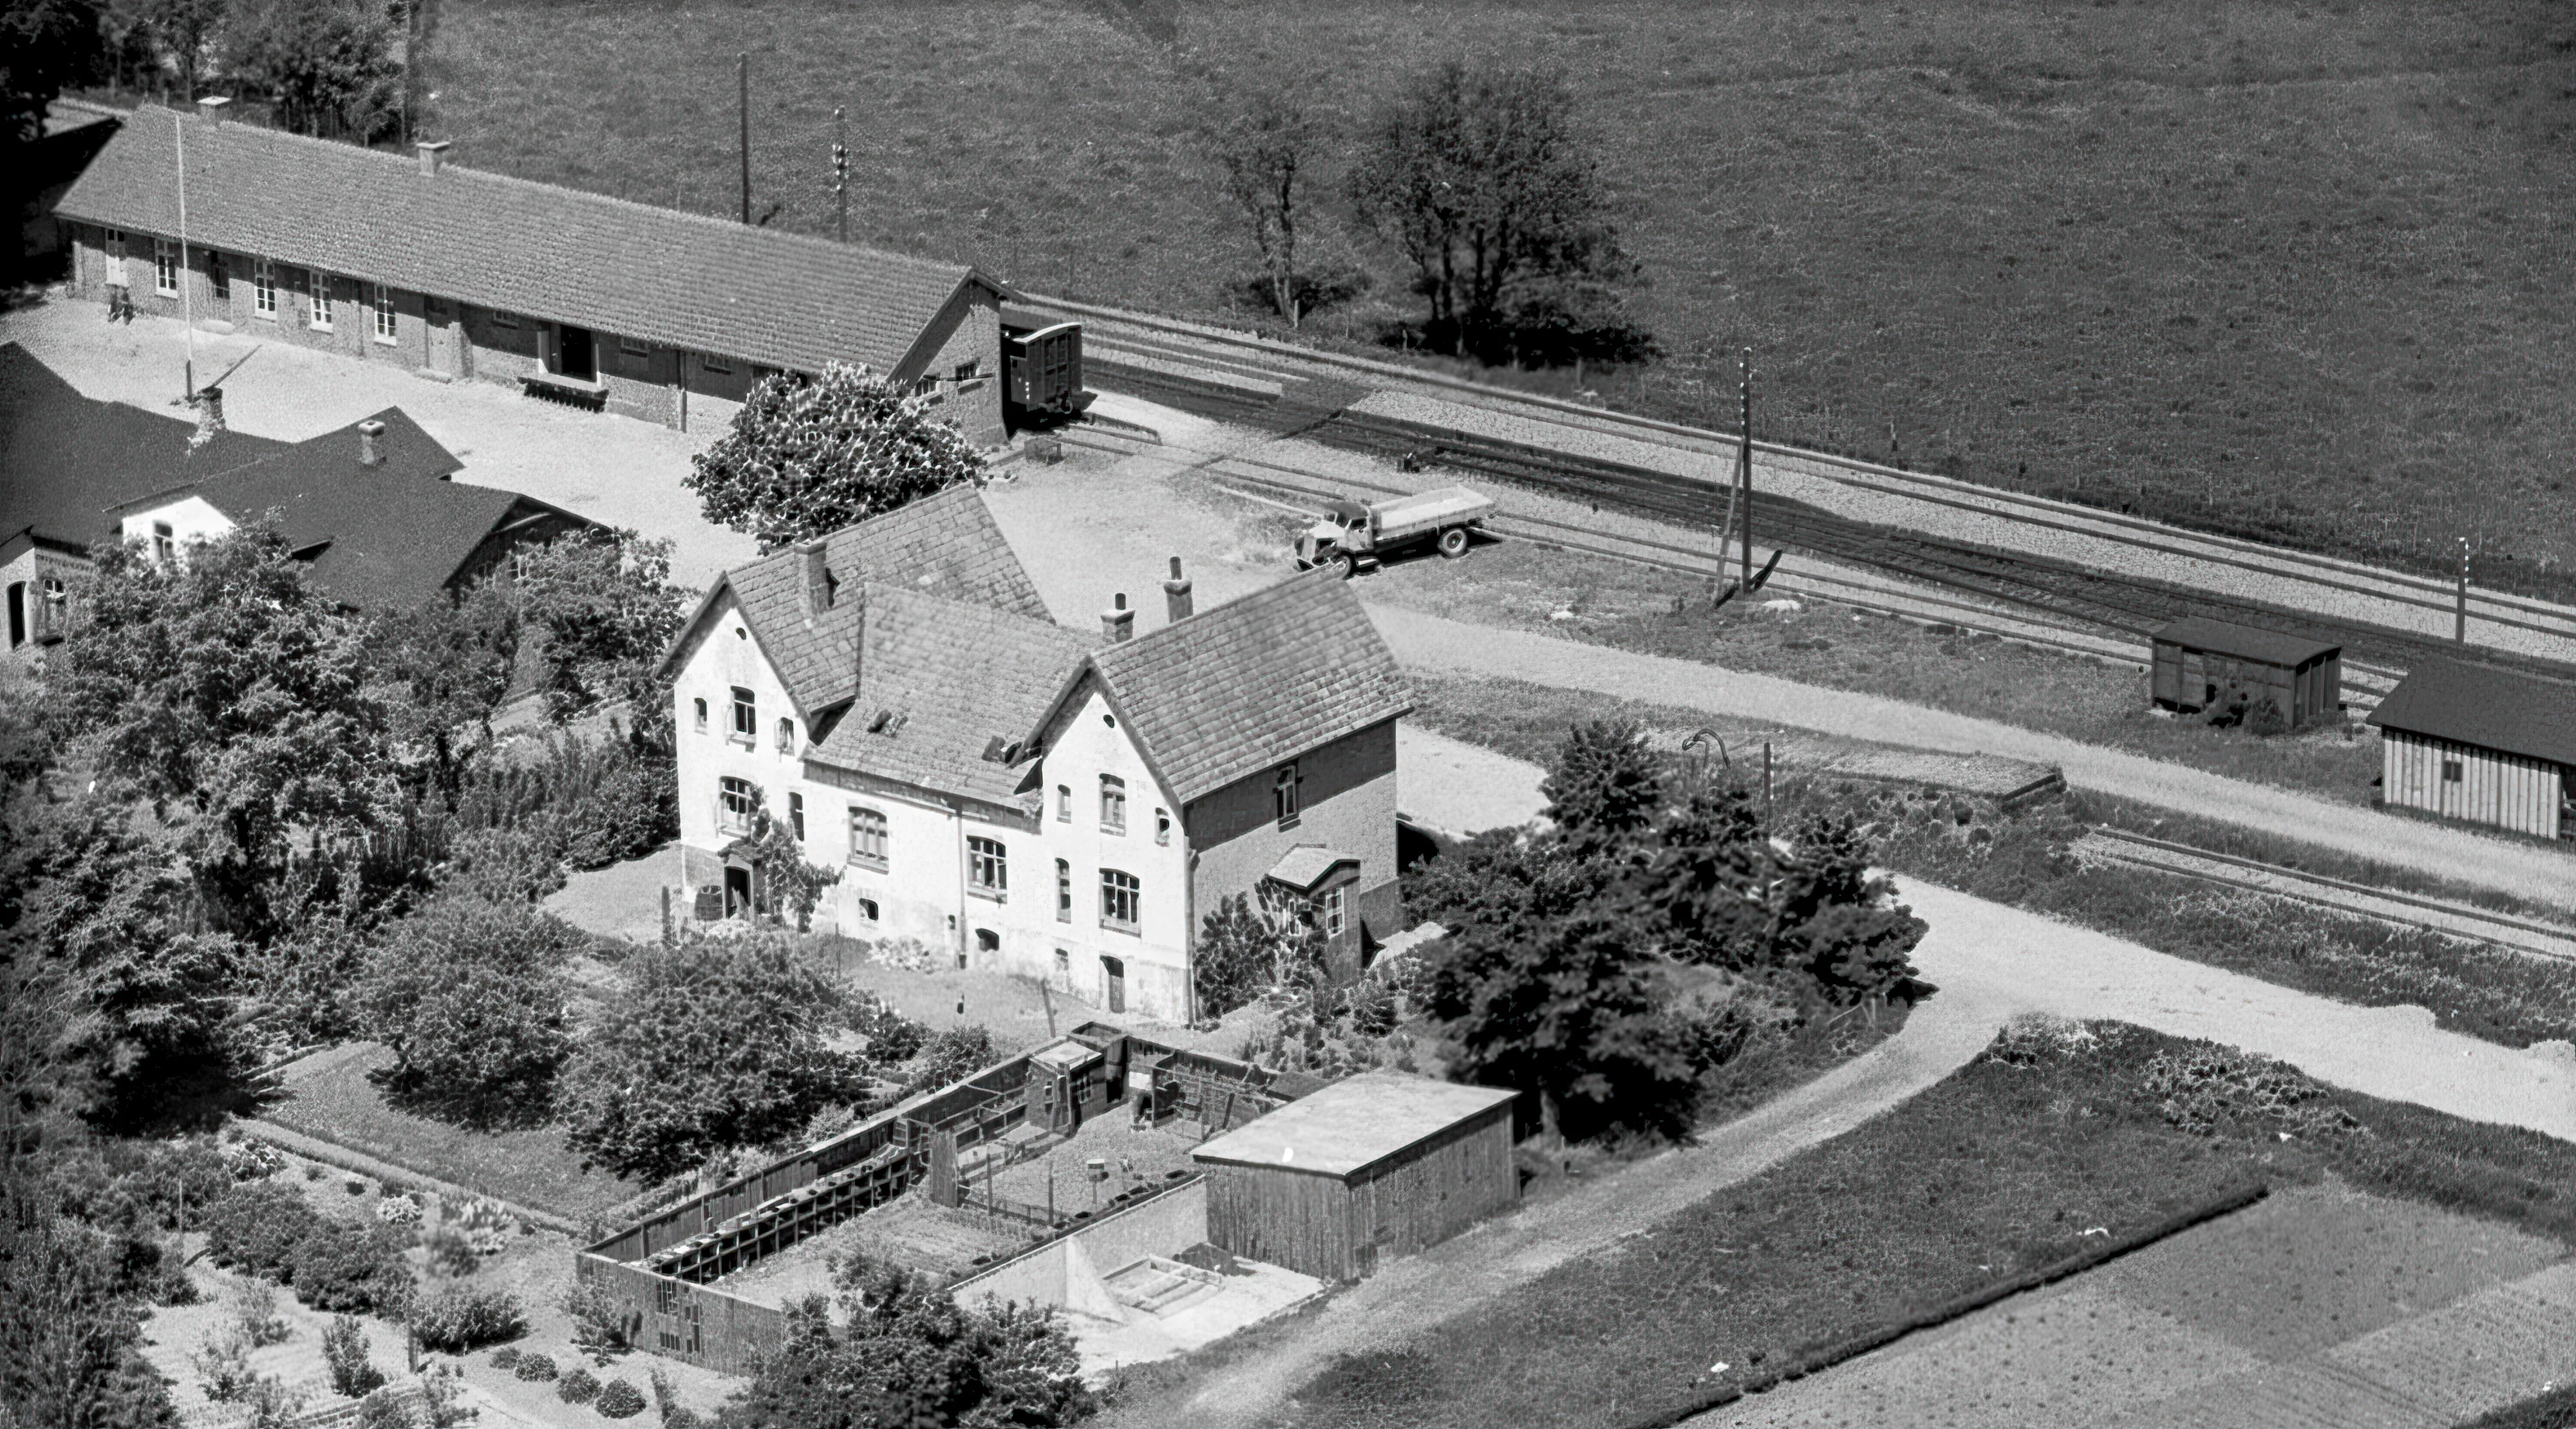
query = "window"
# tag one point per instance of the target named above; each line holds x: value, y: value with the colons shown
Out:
x: 868, y: 909
x: 263, y: 289
x: 746, y: 716
x: 1283, y: 796
x: 867, y: 836
x: 17, y: 614
x: 634, y: 346
x: 502, y: 319
x: 1064, y: 803
x: 165, y: 267
x: 966, y: 370
x: 988, y: 869
x: 54, y: 621
x: 1113, y: 804
x: 787, y: 736
x: 926, y: 385
x: 738, y: 799
x: 317, y: 309
x: 164, y: 545
x: 219, y: 278
x: 1063, y: 963
x: 2450, y: 771
x: 1328, y: 911
x: 1162, y: 826
x: 116, y: 243
x: 796, y: 815
x: 1063, y: 891
x: 388, y: 322
x: 702, y: 716
x: 1119, y: 895
x: 713, y: 363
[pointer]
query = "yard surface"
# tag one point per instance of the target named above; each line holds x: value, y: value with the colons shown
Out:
x: 2289, y: 271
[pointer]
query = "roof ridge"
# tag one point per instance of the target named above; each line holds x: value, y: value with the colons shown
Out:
x: 282, y: 138
x: 1164, y: 634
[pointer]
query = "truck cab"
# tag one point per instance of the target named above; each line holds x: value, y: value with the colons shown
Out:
x: 1342, y: 530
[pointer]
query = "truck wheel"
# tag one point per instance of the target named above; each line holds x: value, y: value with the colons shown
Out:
x: 1344, y: 566
x: 1453, y: 542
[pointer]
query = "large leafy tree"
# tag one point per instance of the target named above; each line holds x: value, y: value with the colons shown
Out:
x: 470, y: 995
x: 328, y: 65
x: 444, y: 669
x: 603, y: 610
x: 711, y: 1045
x: 810, y: 455
x: 1267, y: 143
x: 233, y: 698
x: 1249, y: 948
x: 46, y: 47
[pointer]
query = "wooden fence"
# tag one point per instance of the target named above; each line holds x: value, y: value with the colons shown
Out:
x: 696, y: 1323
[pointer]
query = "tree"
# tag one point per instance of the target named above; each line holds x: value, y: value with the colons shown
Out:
x: 470, y: 995
x: 952, y: 1056
x: 1840, y: 925
x: 327, y: 64
x: 710, y: 1045
x: 344, y: 1350
x: 1481, y: 181
x: 909, y: 1354
x: 604, y: 610
x: 185, y: 28
x: 46, y: 47
x: 446, y: 667
x: 1707, y: 884
x: 1605, y: 786
x: 808, y: 456
x: 234, y: 698
x: 1245, y: 951
x: 74, y: 1337
x: 1265, y: 145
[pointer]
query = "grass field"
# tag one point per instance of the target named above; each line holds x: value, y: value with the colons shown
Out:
x: 2293, y: 270
x: 2000, y: 1168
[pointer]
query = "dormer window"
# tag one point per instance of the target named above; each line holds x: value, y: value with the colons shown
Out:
x: 746, y: 716
x: 1113, y: 804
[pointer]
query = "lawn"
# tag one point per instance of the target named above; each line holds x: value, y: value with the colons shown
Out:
x: 328, y: 1096
x: 2293, y: 271
x: 1999, y: 1169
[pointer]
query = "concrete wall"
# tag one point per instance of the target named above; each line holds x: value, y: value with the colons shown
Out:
x: 1347, y: 803
x: 1164, y: 1225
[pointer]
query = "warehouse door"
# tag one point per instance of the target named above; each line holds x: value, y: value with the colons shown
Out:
x: 442, y: 337
x: 1113, y: 978
x: 2197, y: 693
x: 575, y: 355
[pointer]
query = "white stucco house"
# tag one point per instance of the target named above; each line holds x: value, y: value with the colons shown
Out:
x: 1039, y: 801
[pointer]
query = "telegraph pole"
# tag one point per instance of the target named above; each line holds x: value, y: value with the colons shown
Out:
x: 2460, y: 616
x: 841, y: 175
x: 1744, y: 472
x: 742, y: 81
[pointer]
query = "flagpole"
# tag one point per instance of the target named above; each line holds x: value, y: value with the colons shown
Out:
x: 187, y: 296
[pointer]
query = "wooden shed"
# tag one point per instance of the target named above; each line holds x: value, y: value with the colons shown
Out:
x: 2202, y: 663
x: 1380, y: 1164
x: 2482, y: 745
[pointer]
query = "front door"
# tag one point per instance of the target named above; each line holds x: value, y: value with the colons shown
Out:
x: 442, y: 337
x: 737, y: 893
x: 1113, y: 977
x: 574, y: 356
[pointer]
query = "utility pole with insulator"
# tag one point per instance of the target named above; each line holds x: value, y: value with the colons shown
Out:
x: 2460, y: 613
x: 1744, y: 472
x: 841, y: 176
x: 742, y: 82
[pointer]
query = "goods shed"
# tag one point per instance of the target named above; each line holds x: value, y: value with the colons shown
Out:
x: 2482, y: 745
x: 2203, y: 664
x: 1377, y: 1164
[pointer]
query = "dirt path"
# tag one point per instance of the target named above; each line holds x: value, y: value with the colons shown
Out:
x: 1428, y: 642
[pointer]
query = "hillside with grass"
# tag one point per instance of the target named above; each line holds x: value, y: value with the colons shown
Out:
x: 2294, y: 271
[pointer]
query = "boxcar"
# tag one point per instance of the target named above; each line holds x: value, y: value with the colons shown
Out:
x: 2211, y: 664
x: 1041, y: 370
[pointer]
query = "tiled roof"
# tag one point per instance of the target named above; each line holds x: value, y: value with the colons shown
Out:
x: 955, y: 677
x: 1306, y: 865
x: 1239, y: 687
x: 2245, y: 642
x: 1352, y: 1124
x: 944, y: 544
x: 677, y: 279
x: 65, y: 459
x: 2483, y: 706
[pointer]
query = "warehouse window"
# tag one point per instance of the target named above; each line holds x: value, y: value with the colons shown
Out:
x: 54, y: 621
x: 165, y: 267
x: 787, y: 736
x: 1329, y: 911
x: 868, y: 836
x: 737, y: 800
x: 263, y: 289
x: 165, y: 546
x: 634, y: 346
x: 388, y: 322
x: 988, y: 869
x: 502, y: 319
x: 1162, y: 826
x: 1119, y: 896
x: 868, y: 909
x: 2450, y: 771
x: 713, y: 363
x: 1113, y: 804
x: 1064, y: 803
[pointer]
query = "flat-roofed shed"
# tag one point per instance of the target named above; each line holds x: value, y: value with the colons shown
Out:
x: 1375, y: 1165
x: 2202, y: 664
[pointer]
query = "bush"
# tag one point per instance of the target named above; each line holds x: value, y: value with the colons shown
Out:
x: 344, y: 1349
x: 256, y: 1226
x: 952, y: 1056
x: 470, y: 996
x: 598, y: 1321
x: 398, y: 1211
x: 505, y: 1357
x: 383, y: 1409
x: 578, y: 1386
x: 619, y: 1400
x: 457, y: 1319
x: 535, y: 1367
x: 356, y: 1270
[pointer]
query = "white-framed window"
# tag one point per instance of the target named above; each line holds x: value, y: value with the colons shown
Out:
x: 165, y: 546
x: 263, y: 289
x: 786, y: 736
x: 702, y: 715
x: 114, y: 242
x: 1063, y: 891
x: 868, y: 836
x: 2450, y: 771
x: 165, y: 267
x: 1162, y: 826
x: 1113, y: 804
x: 1120, y: 895
x: 502, y: 319
x: 1329, y: 911
x: 219, y: 278
x: 634, y: 346
x: 988, y: 867
x: 317, y: 300
x: 53, y: 622
x: 1283, y: 796
x: 1064, y: 803
x: 713, y: 363
x: 966, y: 370
x: 746, y: 716
x: 388, y: 321
x: 737, y: 801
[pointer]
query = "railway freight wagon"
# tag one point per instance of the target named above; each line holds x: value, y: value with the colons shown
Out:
x: 2481, y: 745
x: 1041, y: 369
x: 2203, y: 664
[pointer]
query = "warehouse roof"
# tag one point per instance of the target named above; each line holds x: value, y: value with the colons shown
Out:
x: 2244, y: 642
x: 678, y: 279
x: 1353, y: 1124
x: 2489, y: 708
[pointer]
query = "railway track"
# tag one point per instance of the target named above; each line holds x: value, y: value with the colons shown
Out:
x: 2128, y: 607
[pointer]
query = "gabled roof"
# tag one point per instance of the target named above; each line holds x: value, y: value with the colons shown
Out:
x: 1244, y: 685
x: 941, y: 682
x: 945, y: 544
x: 678, y: 279
x: 1307, y: 865
x: 66, y: 460
x: 1353, y: 1124
x: 2486, y: 707
x: 2244, y: 642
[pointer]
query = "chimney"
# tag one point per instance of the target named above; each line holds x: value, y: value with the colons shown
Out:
x: 1118, y: 623
x: 370, y: 452
x: 211, y: 108
x: 1176, y: 594
x: 817, y: 583
x: 433, y: 153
